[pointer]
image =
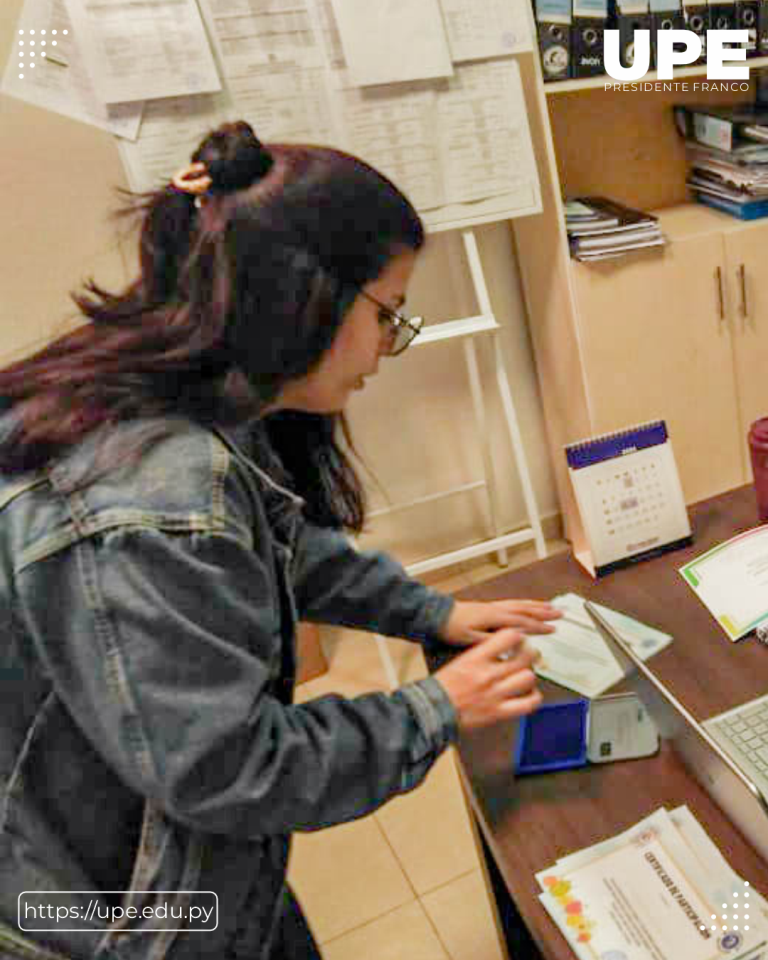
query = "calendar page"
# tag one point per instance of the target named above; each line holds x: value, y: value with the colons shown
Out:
x: 628, y: 493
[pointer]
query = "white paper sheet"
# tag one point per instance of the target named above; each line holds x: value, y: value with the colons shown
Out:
x: 644, y: 640
x: 486, y: 28
x: 726, y: 885
x: 650, y: 892
x: 250, y: 32
x: 272, y: 55
x: 285, y: 102
x: 392, y: 41
x: 325, y: 19
x: 394, y: 131
x: 141, y: 51
x: 484, y: 140
x: 521, y: 202
x: 722, y: 880
x: 641, y: 904
x: 731, y: 580
x: 63, y: 87
x: 435, y: 139
x: 170, y: 132
x: 577, y: 657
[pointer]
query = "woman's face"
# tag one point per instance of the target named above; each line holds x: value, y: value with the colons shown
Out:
x: 356, y: 349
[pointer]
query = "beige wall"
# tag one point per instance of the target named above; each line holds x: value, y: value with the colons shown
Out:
x: 56, y: 179
x: 414, y: 424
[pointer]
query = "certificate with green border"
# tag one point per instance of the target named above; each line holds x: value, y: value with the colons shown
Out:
x: 731, y: 580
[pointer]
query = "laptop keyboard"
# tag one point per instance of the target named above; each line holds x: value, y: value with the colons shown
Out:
x: 743, y: 734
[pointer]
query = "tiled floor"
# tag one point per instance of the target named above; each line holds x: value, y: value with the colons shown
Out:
x: 404, y: 882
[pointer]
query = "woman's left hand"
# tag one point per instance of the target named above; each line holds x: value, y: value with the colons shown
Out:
x: 473, y: 621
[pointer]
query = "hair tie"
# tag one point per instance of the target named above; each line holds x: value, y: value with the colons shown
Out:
x: 231, y: 158
x: 193, y: 180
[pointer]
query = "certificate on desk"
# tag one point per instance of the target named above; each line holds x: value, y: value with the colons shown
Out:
x: 654, y: 893
x: 731, y: 580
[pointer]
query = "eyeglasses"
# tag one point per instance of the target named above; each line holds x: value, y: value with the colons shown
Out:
x: 400, y: 330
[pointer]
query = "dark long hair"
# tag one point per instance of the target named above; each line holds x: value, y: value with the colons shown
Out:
x: 236, y: 296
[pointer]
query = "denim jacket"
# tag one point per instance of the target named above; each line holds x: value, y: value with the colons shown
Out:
x: 148, y: 743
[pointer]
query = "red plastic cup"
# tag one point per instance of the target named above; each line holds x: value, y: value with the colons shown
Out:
x: 758, y: 448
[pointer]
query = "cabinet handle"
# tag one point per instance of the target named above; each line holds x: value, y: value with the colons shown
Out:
x: 720, y: 297
x: 743, y: 281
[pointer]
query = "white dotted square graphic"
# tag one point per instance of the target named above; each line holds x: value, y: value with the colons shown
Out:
x: 28, y: 49
x: 733, y: 920
x: 56, y: 77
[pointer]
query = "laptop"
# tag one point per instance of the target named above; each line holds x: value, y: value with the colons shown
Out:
x: 714, y: 765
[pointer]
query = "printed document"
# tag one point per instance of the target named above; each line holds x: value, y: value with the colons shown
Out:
x: 284, y: 102
x: 577, y: 657
x: 654, y: 893
x: 272, y: 56
x: 483, y: 132
x: 245, y: 33
x: 446, y: 142
x: 58, y: 81
x: 486, y: 28
x: 140, y: 51
x: 393, y: 129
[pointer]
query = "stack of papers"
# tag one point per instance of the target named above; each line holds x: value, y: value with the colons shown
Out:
x: 727, y: 156
x: 599, y: 229
x: 660, y: 891
x: 577, y: 657
x: 718, y: 170
x: 732, y: 178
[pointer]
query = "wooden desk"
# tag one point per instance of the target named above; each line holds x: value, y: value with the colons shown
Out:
x: 529, y: 822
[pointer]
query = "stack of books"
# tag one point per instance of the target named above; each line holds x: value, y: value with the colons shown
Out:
x: 727, y: 151
x: 601, y: 229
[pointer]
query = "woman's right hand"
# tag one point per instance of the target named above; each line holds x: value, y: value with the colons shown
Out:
x: 492, y: 680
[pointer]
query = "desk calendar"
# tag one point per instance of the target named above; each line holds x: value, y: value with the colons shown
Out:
x: 629, y: 497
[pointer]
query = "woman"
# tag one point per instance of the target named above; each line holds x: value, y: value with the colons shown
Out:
x: 173, y: 498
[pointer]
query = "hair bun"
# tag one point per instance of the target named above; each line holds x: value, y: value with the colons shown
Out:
x: 234, y: 157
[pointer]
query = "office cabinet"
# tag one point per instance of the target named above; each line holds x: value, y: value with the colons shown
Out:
x: 679, y: 333
x: 746, y: 254
x: 656, y: 346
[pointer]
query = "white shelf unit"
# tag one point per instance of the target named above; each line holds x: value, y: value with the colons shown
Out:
x: 467, y: 330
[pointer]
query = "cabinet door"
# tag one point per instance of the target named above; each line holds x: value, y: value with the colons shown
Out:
x: 746, y: 256
x: 656, y: 343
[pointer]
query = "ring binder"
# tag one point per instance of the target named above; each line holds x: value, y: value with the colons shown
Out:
x: 553, y: 23
x: 696, y: 16
x: 631, y: 16
x: 665, y: 15
x: 587, y: 39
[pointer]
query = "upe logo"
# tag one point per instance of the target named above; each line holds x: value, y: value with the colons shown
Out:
x: 669, y: 53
